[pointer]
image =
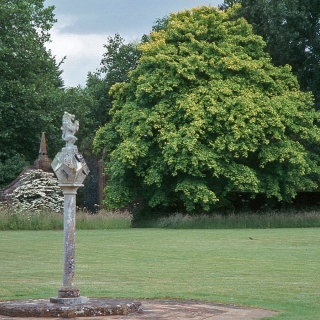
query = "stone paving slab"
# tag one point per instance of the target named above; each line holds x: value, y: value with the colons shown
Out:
x: 180, y: 310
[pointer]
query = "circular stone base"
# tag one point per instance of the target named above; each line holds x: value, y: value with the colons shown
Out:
x: 91, y: 308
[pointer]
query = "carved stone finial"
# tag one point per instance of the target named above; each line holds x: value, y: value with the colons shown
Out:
x: 69, y: 127
x: 43, y: 162
x: 69, y: 165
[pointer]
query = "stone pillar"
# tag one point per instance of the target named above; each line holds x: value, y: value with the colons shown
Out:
x: 69, y: 290
x: 69, y: 293
x: 71, y: 170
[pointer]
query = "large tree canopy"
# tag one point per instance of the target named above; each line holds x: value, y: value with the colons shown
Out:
x: 291, y: 29
x: 29, y: 81
x: 206, y: 114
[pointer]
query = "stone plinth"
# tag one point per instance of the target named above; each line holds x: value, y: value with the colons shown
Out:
x: 94, y: 307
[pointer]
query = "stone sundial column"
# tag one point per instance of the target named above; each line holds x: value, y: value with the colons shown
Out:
x: 71, y: 170
x: 69, y: 290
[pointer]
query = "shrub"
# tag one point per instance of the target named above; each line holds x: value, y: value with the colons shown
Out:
x: 39, y: 190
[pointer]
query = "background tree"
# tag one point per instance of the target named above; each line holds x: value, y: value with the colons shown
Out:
x: 291, y: 29
x: 29, y: 82
x: 118, y: 60
x: 159, y: 24
x: 206, y: 114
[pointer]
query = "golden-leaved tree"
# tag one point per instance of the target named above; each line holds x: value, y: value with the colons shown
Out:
x: 205, y: 114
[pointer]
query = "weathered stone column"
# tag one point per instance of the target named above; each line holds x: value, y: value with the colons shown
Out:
x: 71, y: 170
x: 69, y: 290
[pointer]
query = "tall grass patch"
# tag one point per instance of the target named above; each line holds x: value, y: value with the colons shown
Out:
x: 45, y: 219
x: 244, y: 220
x: 104, y: 220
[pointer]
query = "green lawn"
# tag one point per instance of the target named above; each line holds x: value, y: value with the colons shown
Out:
x: 278, y: 269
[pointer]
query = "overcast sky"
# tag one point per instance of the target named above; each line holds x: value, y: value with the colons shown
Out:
x: 84, y: 25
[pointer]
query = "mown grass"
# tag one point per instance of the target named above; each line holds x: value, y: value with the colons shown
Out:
x: 275, y: 269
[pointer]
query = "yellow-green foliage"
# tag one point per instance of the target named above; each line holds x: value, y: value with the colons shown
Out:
x: 206, y: 114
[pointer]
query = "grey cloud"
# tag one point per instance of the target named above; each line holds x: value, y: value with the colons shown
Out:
x: 84, y: 25
x: 101, y: 16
